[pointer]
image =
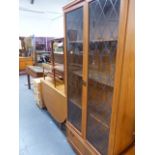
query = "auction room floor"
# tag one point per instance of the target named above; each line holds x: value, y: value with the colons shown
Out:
x: 39, y: 134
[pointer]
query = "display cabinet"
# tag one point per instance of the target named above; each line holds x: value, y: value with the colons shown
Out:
x: 99, y: 41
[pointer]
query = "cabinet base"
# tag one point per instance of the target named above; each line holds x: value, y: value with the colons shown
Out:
x: 79, y: 144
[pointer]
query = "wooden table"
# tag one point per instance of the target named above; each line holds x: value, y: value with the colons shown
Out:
x: 34, y: 71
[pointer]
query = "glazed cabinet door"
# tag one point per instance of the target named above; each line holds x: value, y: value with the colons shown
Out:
x: 103, y: 37
x: 74, y: 50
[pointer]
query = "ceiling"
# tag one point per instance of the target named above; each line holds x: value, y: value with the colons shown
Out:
x: 42, y: 18
x: 50, y: 9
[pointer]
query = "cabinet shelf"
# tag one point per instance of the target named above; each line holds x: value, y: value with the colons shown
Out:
x: 93, y: 41
x: 76, y: 101
x: 76, y: 112
x: 101, y: 40
x: 75, y: 67
x: 93, y: 75
x: 100, y: 115
x: 77, y: 41
x: 99, y: 120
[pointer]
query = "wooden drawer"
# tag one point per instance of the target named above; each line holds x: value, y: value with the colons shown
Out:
x: 29, y: 63
x: 74, y: 139
x: 80, y: 145
x: 24, y: 62
x: 21, y: 65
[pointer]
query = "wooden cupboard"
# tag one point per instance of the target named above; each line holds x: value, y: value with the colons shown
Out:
x: 24, y: 62
x: 99, y: 75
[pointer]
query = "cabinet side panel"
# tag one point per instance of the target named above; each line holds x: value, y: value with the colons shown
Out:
x: 126, y: 111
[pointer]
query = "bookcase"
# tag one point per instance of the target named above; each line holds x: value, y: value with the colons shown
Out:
x: 99, y: 64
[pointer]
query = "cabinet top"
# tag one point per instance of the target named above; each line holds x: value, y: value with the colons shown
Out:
x: 72, y: 3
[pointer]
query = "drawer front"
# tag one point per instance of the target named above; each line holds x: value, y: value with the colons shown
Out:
x: 80, y: 145
x: 29, y: 63
x: 22, y: 65
x: 75, y: 141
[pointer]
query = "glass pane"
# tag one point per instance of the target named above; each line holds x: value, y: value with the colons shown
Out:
x: 103, y: 18
x: 74, y: 20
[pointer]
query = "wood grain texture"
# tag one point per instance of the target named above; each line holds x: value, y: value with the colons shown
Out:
x: 118, y: 72
x: 24, y: 62
x: 72, y: 4
x: 85, y: 69
x: 34, y: 71
x: 79, y: 4
x: 54, y: 100
x: 65, y: 65
x: 131, y: 151
x: 81, y: 146
x: 125, y: 118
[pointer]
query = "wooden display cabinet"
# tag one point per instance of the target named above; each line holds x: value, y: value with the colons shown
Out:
x: 99, y: 78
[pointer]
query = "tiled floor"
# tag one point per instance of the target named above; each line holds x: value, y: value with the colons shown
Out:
x: 39, y: 134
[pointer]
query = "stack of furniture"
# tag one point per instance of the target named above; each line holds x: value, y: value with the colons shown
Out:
x: 99, y: 77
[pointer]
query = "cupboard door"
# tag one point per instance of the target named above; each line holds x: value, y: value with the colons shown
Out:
x: 74, y: 40
x: 103, y: 34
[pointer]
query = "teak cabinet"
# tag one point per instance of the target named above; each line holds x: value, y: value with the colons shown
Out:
x: 99, y: 79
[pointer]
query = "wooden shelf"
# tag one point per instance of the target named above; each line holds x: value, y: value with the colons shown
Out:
x: 92, y: 41
x: 99, y: 116
x: 94, y: 75
x: 77, y: 41
x: 75, y: 67
x: 101, y: 40
x: 76, y: 101
x: 99, y: 120
x: 75, y: 64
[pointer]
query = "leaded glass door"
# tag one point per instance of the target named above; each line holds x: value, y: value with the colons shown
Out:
x: 103, y: 36
x: 74, y: 40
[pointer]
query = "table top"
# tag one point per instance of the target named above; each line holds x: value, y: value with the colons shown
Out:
x: 34, y: 71
x: 37, y: 69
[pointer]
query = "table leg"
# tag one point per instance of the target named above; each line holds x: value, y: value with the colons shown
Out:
x: 28, y: 81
